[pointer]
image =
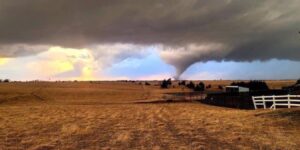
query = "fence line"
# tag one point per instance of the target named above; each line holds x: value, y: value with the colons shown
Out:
x: 280, y: 100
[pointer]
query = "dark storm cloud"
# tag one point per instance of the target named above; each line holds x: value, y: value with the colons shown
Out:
x: 245, y: 30
x: 13, y: 50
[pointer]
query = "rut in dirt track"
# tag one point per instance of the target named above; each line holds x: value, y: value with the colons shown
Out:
x: 156, y: 127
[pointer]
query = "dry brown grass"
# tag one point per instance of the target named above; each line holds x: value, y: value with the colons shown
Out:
x: 102, y: 115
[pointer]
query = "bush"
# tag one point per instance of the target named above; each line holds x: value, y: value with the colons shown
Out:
x: 6, y: 80
x: 147, y: 83
x: 298, y: 81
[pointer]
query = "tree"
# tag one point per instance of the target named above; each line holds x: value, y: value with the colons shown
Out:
x: 181, y: 83
x: 191, y: 85
x: 200, y: 87
x: 220, y: 87
x: 243, y: 84
x: 258, y: 86
x: 255, y: 85
x: 169, y: 81
x: 298, y: 81
x: 166, y: 83
x: 208, y: 86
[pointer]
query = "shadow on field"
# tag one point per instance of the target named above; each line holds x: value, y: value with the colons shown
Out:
x: 292, y: 115
x: 283, y: 113
x: 165, y: 102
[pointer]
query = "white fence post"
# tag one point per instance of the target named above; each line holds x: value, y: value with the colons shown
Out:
x: 279, y: 100
x: 274, y: 102
x: 264, y: 102
x: 289, y: 101
x: 253, y: 99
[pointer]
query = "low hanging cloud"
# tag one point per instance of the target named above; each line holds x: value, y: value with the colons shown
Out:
x: 187, y: 31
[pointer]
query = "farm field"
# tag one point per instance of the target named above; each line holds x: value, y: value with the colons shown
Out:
x: 109, y: 115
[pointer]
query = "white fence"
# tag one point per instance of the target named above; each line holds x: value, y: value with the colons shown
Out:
x: 280, y: 100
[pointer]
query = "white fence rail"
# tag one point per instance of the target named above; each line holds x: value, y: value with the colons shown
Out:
x: 280, y: 100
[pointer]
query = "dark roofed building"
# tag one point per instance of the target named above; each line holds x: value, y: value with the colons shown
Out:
x: 294, y: 89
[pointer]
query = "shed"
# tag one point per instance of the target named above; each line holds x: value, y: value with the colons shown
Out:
x: 236, y: 89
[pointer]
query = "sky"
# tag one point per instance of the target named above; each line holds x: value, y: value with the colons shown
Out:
x: 149, y: 39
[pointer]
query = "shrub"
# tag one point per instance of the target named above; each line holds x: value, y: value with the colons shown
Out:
x: 298, y: 81
x: 147, y: 83
x: 6, y: 80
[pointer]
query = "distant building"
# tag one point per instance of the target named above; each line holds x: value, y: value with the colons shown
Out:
x: 236, y: 89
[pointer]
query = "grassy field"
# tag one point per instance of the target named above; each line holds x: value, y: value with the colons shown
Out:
x: 106, y: 115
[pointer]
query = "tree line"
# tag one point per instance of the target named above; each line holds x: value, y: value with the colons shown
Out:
x: 191, y: 85
x: 4, y: 80
x: 254, y: 85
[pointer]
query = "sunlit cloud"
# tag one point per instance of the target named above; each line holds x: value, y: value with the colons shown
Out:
x: 205, y: 76
x: 156, y: 76
x: 4, y: 61
x: 60, y: 60
x: 48, y: 64
x: 60, y: 63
